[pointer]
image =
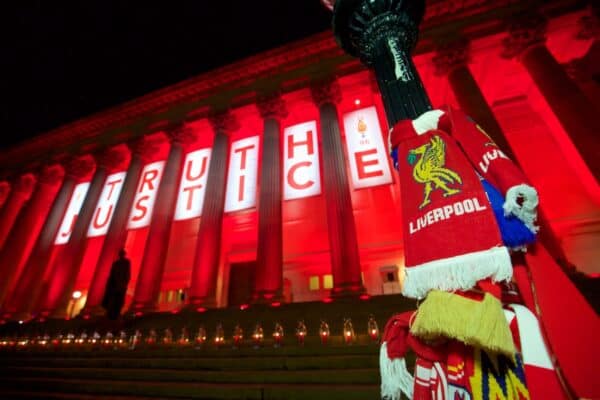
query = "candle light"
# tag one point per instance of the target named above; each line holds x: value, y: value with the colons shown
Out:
x: 135, y: 339
x: 324, y: 332
x: 95, y: 338
x: 348, y: 331
x: 108, y: 339
x: 201, y: 336
x: 81, y: 339
x: 57, y: 340
x: 258, y: 335
x: 238, y: 336
x: 184, y: 337
x: 219, y: 335
x: 151, y: 339
x: 168, y: 337
x: 373, y: 328
x: 121, y: 341
x: 278, y: 335
x: 301, y: 332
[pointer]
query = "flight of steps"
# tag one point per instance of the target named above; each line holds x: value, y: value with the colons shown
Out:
x: 313, y: 371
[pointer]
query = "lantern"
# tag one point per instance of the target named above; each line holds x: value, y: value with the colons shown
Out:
x: 201, y: 336
x: 70, y: 338
x: 301, y: 332
x: 57, y: 340
x: 108, y: 340
x: 373, y: 329
x: 151, y: 339
x: 168, y: 336
x: 95, y: 338
x: 324, y: 332
x: 278, y: 335
x: 81, y: 339
x: 348, y: 331
x: 121, y: 341
x: 258, y: 335
x: 219, y: 335
x: 184, y: 337
x: 238, y: 336
x: 135, y: 339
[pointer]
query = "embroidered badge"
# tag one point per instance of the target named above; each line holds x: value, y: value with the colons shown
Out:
x: 429, y: 169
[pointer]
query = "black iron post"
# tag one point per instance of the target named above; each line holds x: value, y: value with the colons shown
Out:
x: 383, y: 33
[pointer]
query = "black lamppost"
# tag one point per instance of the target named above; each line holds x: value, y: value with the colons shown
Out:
x: 382, y: 33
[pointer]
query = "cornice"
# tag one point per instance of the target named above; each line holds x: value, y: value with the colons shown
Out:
x: 475, y: 18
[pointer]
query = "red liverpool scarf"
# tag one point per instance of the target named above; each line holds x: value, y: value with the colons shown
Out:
x: 451, y: 239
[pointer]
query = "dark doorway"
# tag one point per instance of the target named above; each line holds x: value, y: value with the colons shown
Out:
x: 241, y: 283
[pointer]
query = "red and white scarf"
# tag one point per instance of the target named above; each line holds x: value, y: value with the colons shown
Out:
x: 451, y: 238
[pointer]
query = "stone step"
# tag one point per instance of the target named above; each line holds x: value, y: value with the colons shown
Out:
x: 201, y: 363
x: 323, y: 376
x: 188, y: 390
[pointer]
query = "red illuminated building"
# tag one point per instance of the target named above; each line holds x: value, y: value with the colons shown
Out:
x: 268, y: 181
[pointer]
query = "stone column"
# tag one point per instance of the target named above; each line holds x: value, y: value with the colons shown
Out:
x: 452, y: 60
x: 18, y: 305
x: 203, y: 288
x: 141, y: 152
x: 22, y: 188
x: 269, y: 269
x: 526, y: 41
x: 345, y: 260
x: 27, y: 227
x: 155, y: 252
x: 65, y: 266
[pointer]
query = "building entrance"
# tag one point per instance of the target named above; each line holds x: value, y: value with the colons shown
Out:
x: 241, y: 283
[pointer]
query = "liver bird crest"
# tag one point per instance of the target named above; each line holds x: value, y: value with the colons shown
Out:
x: 429, y: 169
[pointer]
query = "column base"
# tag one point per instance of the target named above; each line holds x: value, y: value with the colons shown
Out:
x: 139, y: 309
x: 350, y: 290
x: 269, y: 297
x: 17, y: 316
x: 93, y: 311
x: 200, y: 304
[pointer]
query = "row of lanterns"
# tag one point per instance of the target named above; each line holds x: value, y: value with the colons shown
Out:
x: 123, y: 341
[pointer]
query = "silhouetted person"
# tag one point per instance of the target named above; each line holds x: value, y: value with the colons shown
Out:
x: 116, y: 286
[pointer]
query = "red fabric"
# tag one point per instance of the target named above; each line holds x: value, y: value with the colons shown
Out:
x: 430, y: 229
x: 481, y: 150
x: 399, y: 339
x: 570, y: 324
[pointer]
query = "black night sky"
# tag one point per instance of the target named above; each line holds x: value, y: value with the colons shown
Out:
x: 64, y: 60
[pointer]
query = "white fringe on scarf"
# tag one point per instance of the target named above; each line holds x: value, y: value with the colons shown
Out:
x: 527, y: 211
x: 395, y: 378
x: 457, y: 273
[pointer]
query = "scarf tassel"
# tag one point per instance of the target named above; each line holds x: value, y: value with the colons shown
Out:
x: 395, y: 378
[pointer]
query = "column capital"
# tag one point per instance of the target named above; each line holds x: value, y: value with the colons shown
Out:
x: 145, y: 147
x: 326, y: 91
x: 51, y: 174
x: 181, y: 134
x: 224, y: 122
x: 449, y: 56
x: 524, y: 32
x: 79, y: 166
x: 110, y: 158
x: 272, y: 106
